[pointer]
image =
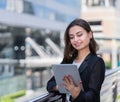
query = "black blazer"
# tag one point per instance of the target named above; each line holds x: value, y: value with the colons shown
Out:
x: 92, y: 72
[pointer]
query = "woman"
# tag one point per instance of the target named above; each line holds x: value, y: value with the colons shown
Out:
x: 80, y: 49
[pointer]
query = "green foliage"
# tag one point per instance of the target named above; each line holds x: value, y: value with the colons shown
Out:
x: 11, y: 97
x: 118, y: 97
x: 6, y: 99
x: 108, y: 65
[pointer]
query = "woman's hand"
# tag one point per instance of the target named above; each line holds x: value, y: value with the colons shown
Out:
x: 71, y: 87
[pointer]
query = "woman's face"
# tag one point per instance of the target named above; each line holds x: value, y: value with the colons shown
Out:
x: 79, y: 37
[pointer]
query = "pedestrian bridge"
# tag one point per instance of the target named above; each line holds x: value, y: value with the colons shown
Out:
x: 110, y: 91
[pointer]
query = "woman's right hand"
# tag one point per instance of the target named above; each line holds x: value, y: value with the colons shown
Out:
x: 71, y: 87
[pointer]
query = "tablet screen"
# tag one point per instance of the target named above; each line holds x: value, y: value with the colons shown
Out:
x: 60, y: 70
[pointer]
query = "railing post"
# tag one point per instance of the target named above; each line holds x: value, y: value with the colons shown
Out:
x: 114, y: 90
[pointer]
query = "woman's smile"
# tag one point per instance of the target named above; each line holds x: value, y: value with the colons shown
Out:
x: 77, y: 44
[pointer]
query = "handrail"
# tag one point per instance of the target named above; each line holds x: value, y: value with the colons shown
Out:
x: 109, y: 72
x: 48, y: 97
x: 109, y: 89
x: 42, y: 98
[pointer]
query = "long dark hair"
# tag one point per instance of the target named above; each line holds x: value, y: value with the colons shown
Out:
x: 70, y: 52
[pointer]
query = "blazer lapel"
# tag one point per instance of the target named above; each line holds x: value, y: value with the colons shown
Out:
x: 82, y: 67
x: 84, y: 64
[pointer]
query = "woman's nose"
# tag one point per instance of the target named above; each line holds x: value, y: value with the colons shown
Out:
x: 75, y: 38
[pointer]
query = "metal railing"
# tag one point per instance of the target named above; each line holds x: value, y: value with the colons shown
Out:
x: 110, y: 89
x: 109, y: 92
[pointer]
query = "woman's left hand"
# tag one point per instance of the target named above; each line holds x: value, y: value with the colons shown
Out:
x: 71, y: 87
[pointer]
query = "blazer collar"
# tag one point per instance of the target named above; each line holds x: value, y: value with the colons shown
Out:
x: 85, y: 63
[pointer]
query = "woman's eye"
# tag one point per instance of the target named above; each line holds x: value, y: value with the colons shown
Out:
x: 79, y: 35
x: 71, y: 37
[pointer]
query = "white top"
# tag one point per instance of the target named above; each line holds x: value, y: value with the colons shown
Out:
x: 77, y: 63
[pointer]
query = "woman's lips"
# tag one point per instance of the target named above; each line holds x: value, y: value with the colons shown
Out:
x: 77, y: 45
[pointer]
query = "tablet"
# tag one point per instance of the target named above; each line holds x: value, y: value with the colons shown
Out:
x: 60, y: 70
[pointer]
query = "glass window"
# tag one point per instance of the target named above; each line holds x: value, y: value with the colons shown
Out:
x: 93, y: 2
x: 49, y: 13
x: 73, y: 3
x: 6, y: 41
x: 60, y: 17
x: 3, y: 4
x: 43, y: 11
x: 28, y: 7
x: 38, y: 10
x: 105, y: 3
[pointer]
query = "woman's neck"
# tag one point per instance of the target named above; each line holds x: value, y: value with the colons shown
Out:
x: 81, y: 56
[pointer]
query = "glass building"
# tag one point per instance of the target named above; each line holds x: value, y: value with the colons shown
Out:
x: 42, y: 22
x: 103, y: 16
x: 37, y: 19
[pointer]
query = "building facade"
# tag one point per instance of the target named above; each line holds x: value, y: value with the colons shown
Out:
x: 103, y: 15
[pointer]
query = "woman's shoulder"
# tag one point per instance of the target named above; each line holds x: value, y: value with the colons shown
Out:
x: 98, y: 59
x: 95, y: 58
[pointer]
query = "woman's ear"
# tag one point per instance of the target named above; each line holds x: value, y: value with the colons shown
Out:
x: 90, y: 34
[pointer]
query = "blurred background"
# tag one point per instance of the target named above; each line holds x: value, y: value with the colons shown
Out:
x: 31, y: 40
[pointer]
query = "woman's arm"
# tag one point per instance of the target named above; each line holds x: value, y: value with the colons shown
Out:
x: 95, y: 83
x: 51, y: 85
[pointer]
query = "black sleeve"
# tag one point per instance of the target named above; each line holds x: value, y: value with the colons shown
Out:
x: 50, y: 84
x: 95, y: 83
